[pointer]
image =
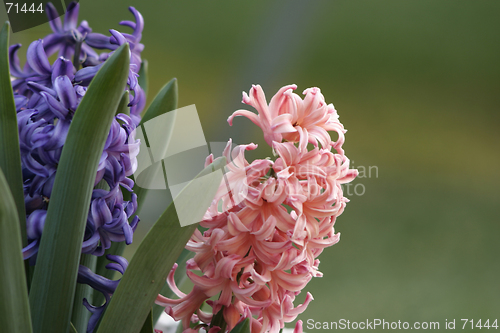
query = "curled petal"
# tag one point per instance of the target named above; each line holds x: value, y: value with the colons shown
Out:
x: 106, y: 286
x: 117, y: 38
x: 15, y: 69
x: 37, y: 59
x: 250, y: 115
x: 138, y: 26
x: 348, y: 177
x: 100, y: 283
x: 120, y: 264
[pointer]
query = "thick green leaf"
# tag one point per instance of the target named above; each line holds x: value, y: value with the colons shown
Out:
x: 242, y: 327
x: 80, y: 317
x: 54, y: 280
x: 148, y: 269
x: 148, y: 324
x: 14, y: 306
x: 10, y: 156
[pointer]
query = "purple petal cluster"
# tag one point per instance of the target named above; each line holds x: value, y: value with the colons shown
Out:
x: 69, y: 38
x: 47, y: 96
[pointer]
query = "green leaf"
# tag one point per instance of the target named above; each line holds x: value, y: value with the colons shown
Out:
x: 10, y: 156
x: 143, y: 77
x: 148, y: 324
x: 155, y: 256
x: 54, y: 280
x: 242, y: 327
x: 165, y: 101
x: 14, y: 306
x: 180, y: 277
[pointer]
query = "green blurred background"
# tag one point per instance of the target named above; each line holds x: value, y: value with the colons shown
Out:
x: 416, y: 83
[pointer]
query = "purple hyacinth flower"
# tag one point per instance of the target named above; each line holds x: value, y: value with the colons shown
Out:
x: 46, y: 97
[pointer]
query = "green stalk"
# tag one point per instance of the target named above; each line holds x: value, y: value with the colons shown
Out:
x: 80, y: 316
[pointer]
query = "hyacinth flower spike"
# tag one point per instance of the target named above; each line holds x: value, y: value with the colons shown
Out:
x: 256, y: 254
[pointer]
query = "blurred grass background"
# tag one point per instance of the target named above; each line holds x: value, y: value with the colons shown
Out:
x: 416, y: 83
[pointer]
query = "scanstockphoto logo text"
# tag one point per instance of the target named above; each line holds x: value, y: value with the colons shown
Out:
x: 373, y: 324
x: 358, y: 188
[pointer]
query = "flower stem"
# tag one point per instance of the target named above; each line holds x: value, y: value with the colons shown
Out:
x: 76, y: 56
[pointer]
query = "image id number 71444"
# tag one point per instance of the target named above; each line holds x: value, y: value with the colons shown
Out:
x: 23, y: 8
x: 479, y: 324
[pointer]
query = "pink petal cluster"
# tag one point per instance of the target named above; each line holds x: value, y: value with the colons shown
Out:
x: 270, y: 220
x: 290, y: 118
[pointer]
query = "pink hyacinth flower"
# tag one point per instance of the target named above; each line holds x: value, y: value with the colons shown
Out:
x: 269, y: 220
